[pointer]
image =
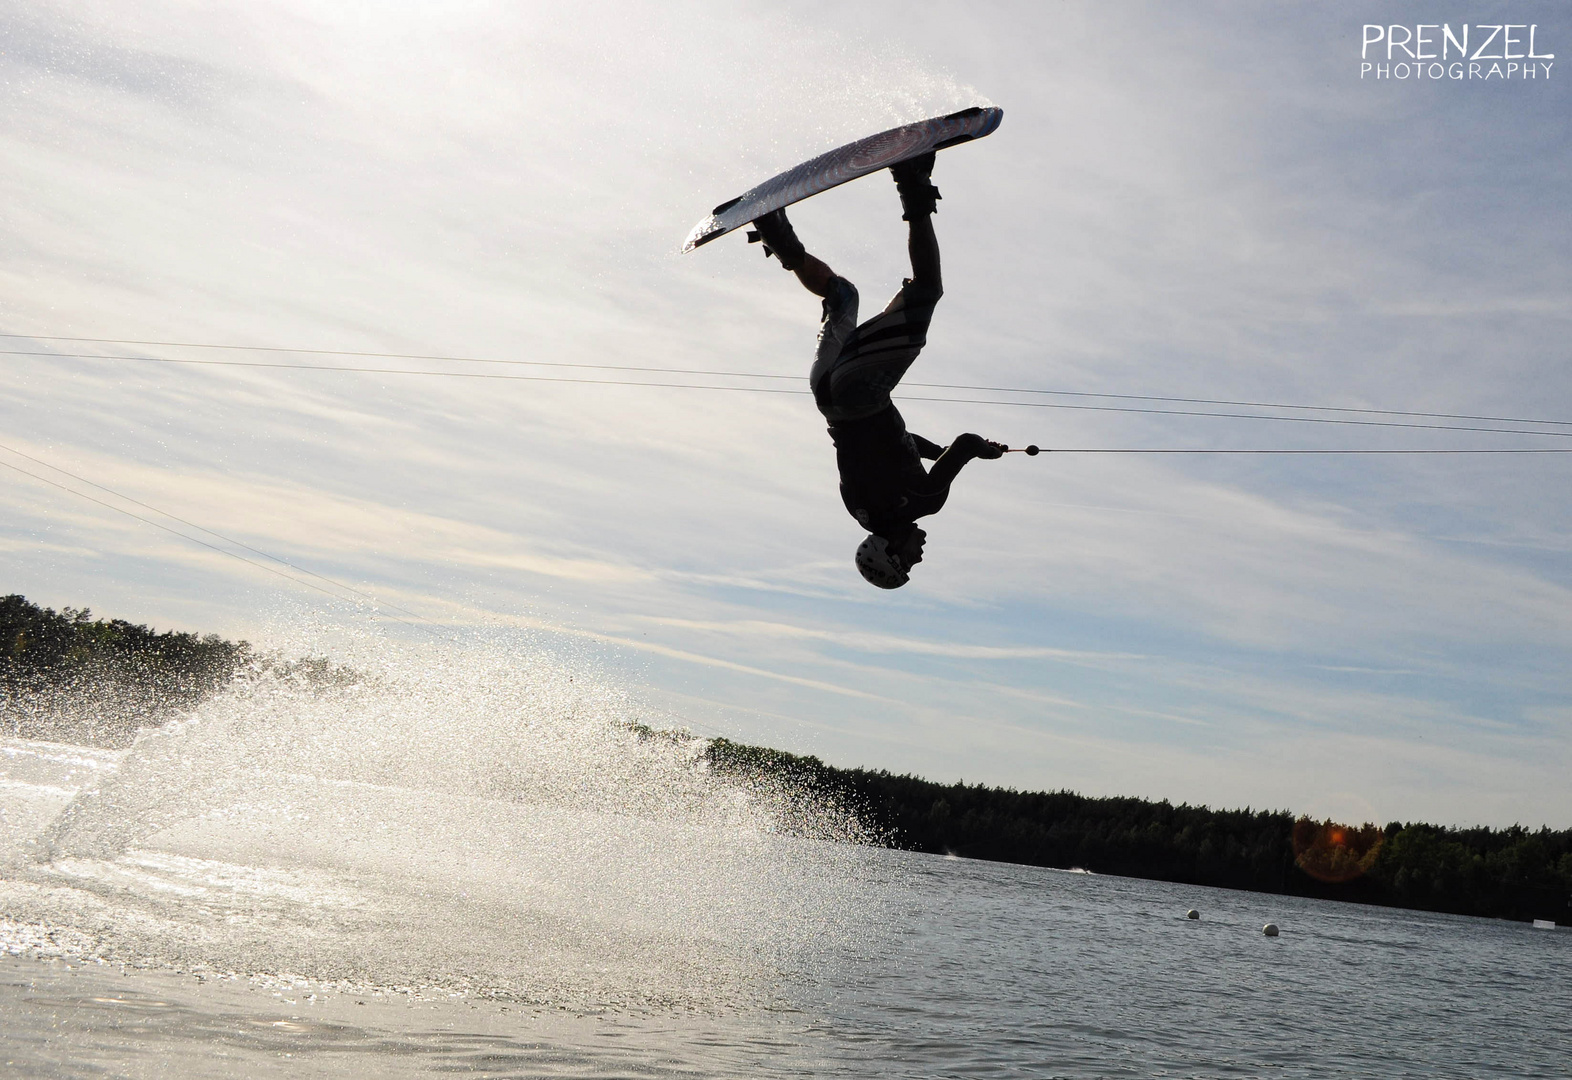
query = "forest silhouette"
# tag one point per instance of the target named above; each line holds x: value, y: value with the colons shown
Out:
x: 68, y: 677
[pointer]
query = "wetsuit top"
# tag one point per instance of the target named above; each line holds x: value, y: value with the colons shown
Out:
x: 883, y: 482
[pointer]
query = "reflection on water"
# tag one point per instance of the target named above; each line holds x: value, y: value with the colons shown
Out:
x: 69, y: 1021
x: 479, y: 868
x: 988, y: 970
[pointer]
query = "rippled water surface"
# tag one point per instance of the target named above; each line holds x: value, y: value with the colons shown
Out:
x: 991, y: 971
x: 485, y: 871
x: 1013, y: 971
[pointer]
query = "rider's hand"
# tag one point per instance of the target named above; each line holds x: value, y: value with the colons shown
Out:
x: 975, y: 446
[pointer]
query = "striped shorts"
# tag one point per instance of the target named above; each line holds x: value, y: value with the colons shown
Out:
x: 856, y: 367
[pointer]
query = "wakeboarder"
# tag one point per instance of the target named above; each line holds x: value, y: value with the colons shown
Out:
x: 884, y: 483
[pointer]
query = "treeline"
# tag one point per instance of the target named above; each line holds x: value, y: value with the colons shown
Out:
x: 72, y: 678
x: 1507, y: 873
x: 67, y: 676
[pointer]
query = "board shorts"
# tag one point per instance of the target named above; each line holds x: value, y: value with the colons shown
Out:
x: 856, y: 367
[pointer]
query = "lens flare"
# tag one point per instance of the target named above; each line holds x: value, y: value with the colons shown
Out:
x: 1335, y: 853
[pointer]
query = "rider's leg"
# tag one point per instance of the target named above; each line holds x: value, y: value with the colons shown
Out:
x: 923, y: 247
x: 918, y: 199
x: 814, y: 275
x: 780, y: 240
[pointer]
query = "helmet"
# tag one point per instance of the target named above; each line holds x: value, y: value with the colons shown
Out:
x: 879, y: 565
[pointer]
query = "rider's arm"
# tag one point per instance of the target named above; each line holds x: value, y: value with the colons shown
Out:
x: 928, y: 451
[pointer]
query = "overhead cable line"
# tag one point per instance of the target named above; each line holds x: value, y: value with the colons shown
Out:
x: 421, y: 625
x: 1187, y: 450
x: 1242, y: 404
x: 1242, y: 416
x: 275, y: 365
x: 759, y: 375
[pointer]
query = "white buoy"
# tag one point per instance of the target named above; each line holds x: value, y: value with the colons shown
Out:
x: 1192, y: 914
x: 1270, y: 929
x: 1544, y: 924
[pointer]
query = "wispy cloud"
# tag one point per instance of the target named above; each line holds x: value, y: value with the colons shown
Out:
x: 1158, y: 214
x: 886, y: 643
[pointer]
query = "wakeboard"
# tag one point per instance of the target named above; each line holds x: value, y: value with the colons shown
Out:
x: 842, y: 164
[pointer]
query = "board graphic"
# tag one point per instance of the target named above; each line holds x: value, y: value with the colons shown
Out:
x: 842, y: 164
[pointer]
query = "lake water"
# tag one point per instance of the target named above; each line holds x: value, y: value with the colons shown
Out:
x: 270, y: 890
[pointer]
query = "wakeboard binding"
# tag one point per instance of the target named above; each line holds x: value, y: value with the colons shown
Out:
x: 779, y: 239
x: 918, y: 195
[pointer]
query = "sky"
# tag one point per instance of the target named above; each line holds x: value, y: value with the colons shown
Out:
x: 1185, y: 200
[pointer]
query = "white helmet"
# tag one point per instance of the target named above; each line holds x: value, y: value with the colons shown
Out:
x: 879, y: 565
